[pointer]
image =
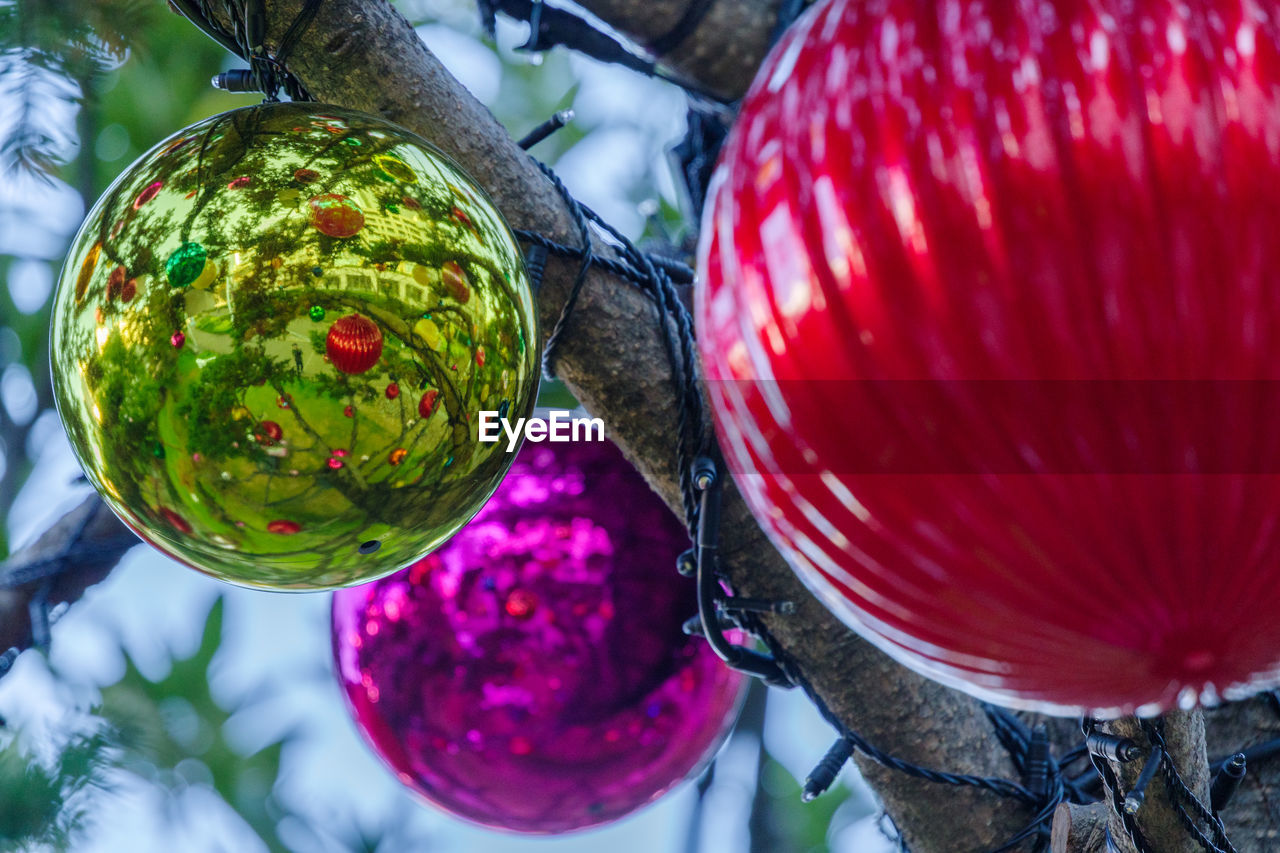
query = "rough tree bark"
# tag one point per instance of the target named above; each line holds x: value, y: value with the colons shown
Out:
x: 362, y: 54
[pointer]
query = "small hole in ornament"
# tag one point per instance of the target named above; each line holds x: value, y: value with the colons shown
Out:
x: 370, y: 546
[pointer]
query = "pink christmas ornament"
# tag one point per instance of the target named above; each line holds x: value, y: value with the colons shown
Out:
x: 531, y: 674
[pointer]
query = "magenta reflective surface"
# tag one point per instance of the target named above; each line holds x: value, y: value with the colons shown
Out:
x: 990, y: 313
x: 531, y: 674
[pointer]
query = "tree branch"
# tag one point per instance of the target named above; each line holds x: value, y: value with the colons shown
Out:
x: 361, y: 54
x: 71, y: 556
x: 720, y: 53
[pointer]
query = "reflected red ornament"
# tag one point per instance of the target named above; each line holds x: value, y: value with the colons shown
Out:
x: 454, y: 279
x: 178, y: 522
x: 283, y: 526
x: 427, y: 405
x: 149, y: 192
x: 990, y: 318
x: 335, y: 215
x: 354, y: 343
x: 115, y: 282
x: 531, y: 674
x: 269, y: 433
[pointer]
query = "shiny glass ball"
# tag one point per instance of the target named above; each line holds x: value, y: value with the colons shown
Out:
x: 231, y: 315
x: 532, y: 675
x: 989, y: 308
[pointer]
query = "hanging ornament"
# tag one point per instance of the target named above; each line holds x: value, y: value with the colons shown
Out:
x: 990, y: 318
x: 354, y: 344
x: 531, y: 674
x: 241, y: 295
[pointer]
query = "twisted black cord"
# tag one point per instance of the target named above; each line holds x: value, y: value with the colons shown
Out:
x: 674, y: 322
x: 587, y: 255
x: 1182, y: 797
x: 1115, y: 798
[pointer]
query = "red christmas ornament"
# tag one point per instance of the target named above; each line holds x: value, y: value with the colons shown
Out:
x: 335, y: 215
x: 427, y: 405
x: 269, y: 432
x: 454, y: 278
x: 991, y: 321
x: 283, y: 526
x: 393, y: 390
x: 115, y: 283
x: 179, y: 523
x: 354, y: 343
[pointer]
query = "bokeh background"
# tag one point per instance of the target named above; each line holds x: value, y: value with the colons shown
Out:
x: 176, y: 713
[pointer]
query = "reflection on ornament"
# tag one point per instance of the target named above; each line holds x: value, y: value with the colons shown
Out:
x: 147, y: 194
x: 427, y: 405
x: 532, y: 675
x: 354, y: 344
x: 335, y: 215
x: 454, y: 279
x: 87, y: 267
x: 115, y: 283
x: 236, y: 327
x: 395, y: 168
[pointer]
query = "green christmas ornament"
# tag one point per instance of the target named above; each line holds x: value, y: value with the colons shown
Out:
x: 232, y: 315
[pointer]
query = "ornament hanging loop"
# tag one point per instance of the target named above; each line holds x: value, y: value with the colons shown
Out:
x: 706, y: 478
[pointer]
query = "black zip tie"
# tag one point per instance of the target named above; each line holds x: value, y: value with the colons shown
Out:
x: 737, y: 604
x: 692, y: 627
x: 548, y: 127
x: 683, y: 28
x: 824, y: 775
x: 535, y: 262
x: 707, y: 481
x: 1226, y: 782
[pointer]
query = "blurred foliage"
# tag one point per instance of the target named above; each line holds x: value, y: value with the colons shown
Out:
x: 42, y: 804
x: 172, y: 734
x: 795, y: 827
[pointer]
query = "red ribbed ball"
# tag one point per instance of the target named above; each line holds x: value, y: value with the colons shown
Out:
x: 354, y: 343
x: 989, y: 311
